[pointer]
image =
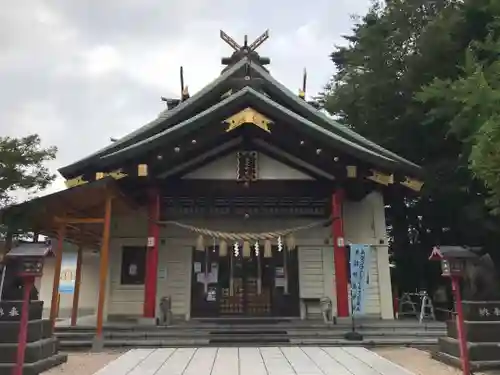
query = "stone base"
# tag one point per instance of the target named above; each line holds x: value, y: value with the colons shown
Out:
x: 35, y: 351
x: 37, y: 330
x: 474, y: 365
x: 97, y: 344
x: 476, y: 331
x: 35, y: 368
x: 484, y: 351
x: 12, y: 310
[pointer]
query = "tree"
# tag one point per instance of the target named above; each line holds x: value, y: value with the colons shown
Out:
x: 472, y: 103
x: 22, y: 166
x: 394, y: 52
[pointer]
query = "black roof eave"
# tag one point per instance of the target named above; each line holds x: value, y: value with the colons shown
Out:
x: 166, y: 118
x: 261, y: 102
x: 303, y: 107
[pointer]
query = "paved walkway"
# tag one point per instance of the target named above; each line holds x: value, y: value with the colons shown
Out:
x: 307, y: 360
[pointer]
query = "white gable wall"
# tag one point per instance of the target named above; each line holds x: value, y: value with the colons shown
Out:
x: 226, y: 169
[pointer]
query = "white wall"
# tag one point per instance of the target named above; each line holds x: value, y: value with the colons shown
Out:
x: 364, y: 223
x: 88, y: 289
x: 226, y: 169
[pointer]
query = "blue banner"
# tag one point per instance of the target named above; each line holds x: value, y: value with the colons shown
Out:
x: 360, y: 276
x: 68, y: 273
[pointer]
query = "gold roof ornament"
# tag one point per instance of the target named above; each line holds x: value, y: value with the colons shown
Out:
x: 248, y: 116
x: 381, y: 178
x: 77, y: 181
x: 413, y: 184
x: 352, y: 171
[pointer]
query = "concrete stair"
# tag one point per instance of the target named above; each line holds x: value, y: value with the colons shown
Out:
x: 293, y: 332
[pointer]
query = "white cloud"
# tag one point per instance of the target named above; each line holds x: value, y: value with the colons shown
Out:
x: 101, y: 60
x: 79, y: 73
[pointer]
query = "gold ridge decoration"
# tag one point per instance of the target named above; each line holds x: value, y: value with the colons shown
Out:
x: 75, y: 182
x: 142, y: 170
x: 352, y: 171
x: 413, y: 184
x: 381, y: 178
x: 248, y: 116
x: 117, y: 174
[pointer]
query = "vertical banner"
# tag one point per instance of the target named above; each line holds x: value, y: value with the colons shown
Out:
x: 68, y: 273
x: 360, y: 276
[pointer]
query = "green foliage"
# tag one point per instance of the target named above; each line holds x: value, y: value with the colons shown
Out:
x: 471, y: 103
x: 22, y: 166
x: 409, y: 79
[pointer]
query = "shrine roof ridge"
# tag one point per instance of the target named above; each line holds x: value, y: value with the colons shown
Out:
x: 171, y: 121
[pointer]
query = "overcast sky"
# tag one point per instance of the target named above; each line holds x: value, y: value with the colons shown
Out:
x: 80, y: 72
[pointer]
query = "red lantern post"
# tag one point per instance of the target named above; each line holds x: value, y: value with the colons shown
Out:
x: 30, y: 267
x: 453, y: 260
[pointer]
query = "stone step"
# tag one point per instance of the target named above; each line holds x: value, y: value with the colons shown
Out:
x: 474, y: 365
x: 251, y: 341
x: 484, y: 351
x: 297, y: 325
x: 196, y: 334
x: 488, y: 331
x: 35, y: 368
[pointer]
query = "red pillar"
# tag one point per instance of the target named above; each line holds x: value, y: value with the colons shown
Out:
x: 340, y: 255
x: 152, y: 254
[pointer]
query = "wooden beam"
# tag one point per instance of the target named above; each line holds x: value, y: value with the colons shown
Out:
x: 79, y: 220
x: 83, y: 233
x: 104, y: 265
x: 76, y: 293
x: 61, y: 233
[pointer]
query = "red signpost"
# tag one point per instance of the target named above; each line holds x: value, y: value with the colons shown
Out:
x: 453, y: 260
x: 29, y: 281
x: 30, y: 266
x: 464, y: 352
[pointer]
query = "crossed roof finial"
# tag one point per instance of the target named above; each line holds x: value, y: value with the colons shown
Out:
x: 252, y: 47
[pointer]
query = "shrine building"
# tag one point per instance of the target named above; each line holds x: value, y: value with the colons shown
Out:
x: 240, y: 200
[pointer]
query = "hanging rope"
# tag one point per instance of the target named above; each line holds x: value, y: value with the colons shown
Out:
x: 245, y: 236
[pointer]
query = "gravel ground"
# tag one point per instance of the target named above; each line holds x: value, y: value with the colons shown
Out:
x: 417, y: 361
x: 83, y: 363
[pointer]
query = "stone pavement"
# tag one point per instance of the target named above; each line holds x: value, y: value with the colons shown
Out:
x: 308, y: 360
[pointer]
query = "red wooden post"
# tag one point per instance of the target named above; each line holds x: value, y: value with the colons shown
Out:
x: 23, y: 326
x: 104, y: 265
x: 76, y: 293
x: 57, y: 273
x: 464, y: 351
x: 340, y: 255
x: 152, y: 254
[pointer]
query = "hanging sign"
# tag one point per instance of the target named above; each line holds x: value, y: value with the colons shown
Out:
x: 151, y: 241
x: 360, y: 276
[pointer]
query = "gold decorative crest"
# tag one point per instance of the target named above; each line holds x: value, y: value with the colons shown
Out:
x: 77, y: 181
x: 412, y: 184
x: 381, y: 178
x: 248, y: 116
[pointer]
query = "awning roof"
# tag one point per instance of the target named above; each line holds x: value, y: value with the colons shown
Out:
x: 27, y: 249
x: 43, y: 215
